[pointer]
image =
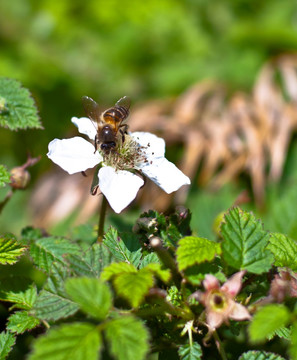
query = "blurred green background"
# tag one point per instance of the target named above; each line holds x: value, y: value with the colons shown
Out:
x: 62, y: 50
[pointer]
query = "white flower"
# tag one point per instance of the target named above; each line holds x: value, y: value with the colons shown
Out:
x: 119, y: 184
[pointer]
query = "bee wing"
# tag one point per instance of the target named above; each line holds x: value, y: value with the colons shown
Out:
x: 124, y: 102
x: 91, y: 108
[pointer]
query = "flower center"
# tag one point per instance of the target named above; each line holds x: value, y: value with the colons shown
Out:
x: 126, y: 155
x: 218, y: 301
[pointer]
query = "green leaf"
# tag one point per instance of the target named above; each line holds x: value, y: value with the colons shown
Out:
x: 127, y: 338
x: 92, y: 296
x: 51, y: 306
x: 151, y: 258
x: 10, y: 249
x: 21, y: 321
x: 91, y: 262
x: 119, y: 248
x: 7, y: 340
x: 133, y: 286
x: 156, y: 269
x: 18, y: 290
x: 282, y: 332
x: 116, y: 269
x: 4, y: 176
x: 17, y: 107
x: 264, y: 323
x: 293, y: 344
x: 260, y: 355
x: 47, y: 250
x: 77, y: 341
x: 194, y: 250
x: 196, y: 273
x: 190, y: 352
x: 245, y: 241
x: 284, y: 250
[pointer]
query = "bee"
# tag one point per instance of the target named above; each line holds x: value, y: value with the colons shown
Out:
x: 109, y: 123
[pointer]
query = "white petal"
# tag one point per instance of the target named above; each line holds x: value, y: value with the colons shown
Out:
x: 120, y: 187
x: 85, y: 126
x: 73, y: 155
x: 154, y: 145
x: 165, y: 174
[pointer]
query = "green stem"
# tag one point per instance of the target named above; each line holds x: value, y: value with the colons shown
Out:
x: 5, y: 201
x: 219, y: 345
x: 102, y: 219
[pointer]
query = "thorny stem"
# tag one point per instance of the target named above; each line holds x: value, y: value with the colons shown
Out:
x: 219, y: 345
x: 102, y: 219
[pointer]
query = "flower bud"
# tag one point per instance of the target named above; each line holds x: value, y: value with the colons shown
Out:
x: 19, y: 178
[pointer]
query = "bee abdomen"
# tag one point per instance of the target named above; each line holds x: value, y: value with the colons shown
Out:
x: 118, y: 113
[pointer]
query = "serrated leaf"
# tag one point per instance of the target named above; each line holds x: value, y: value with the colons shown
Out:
x: 4, y: 176
x: 49, y: 306
x: 116, y: 268
x: 7, y: 340
x: 190, y: 351
x: 133, y: 286
x: 127, y: 338
x: 17, y: 107
x: 18, y: 290
x: 10, y: 249
x: 264, y: 324
x: 45, y: 251
x: 245, y: 241
x: 151, y: 258
x: 260, y: 355
x: 282, y: 332
x: 284, y: 250
x: 79, y: 341
x: 91, y: 262
x: 93, y: 296
x: 21, y: 321
x: 119, y: 248
x: 194, y: 250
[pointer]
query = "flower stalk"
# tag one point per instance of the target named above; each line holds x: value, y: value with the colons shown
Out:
x: 102, y: 219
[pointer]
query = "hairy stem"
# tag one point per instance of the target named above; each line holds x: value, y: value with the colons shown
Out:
x: 102, y: 219
x: 219, y: 345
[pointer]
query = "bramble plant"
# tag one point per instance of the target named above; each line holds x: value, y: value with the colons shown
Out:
x: 155, y: 292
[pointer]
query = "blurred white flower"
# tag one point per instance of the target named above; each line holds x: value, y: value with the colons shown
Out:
x: 118, y: 177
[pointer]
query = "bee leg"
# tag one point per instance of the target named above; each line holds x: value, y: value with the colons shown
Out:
x: 125, y: 128
x: 123, y: 135
x: 96, y: 144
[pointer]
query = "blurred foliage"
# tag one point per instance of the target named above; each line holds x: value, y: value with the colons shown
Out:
x: 107, y: 49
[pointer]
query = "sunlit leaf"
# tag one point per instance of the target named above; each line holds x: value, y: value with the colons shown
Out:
x: 127, y: 338
x: 7, y: 340
x: 17, y: 107
x: 190, y: 351
x: 245, y: 241
x: 133, y: 286
x: 21, y: 321
x: 19, y: 291
x: 10, y: 249
x: 92, y: 296
x: 194, y: 250
x: 79, y: 341
x: 117, y: 269
x: 4, y: 176
x: 284, y: 250
x: 264, y: 324
x: 260, y: 355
